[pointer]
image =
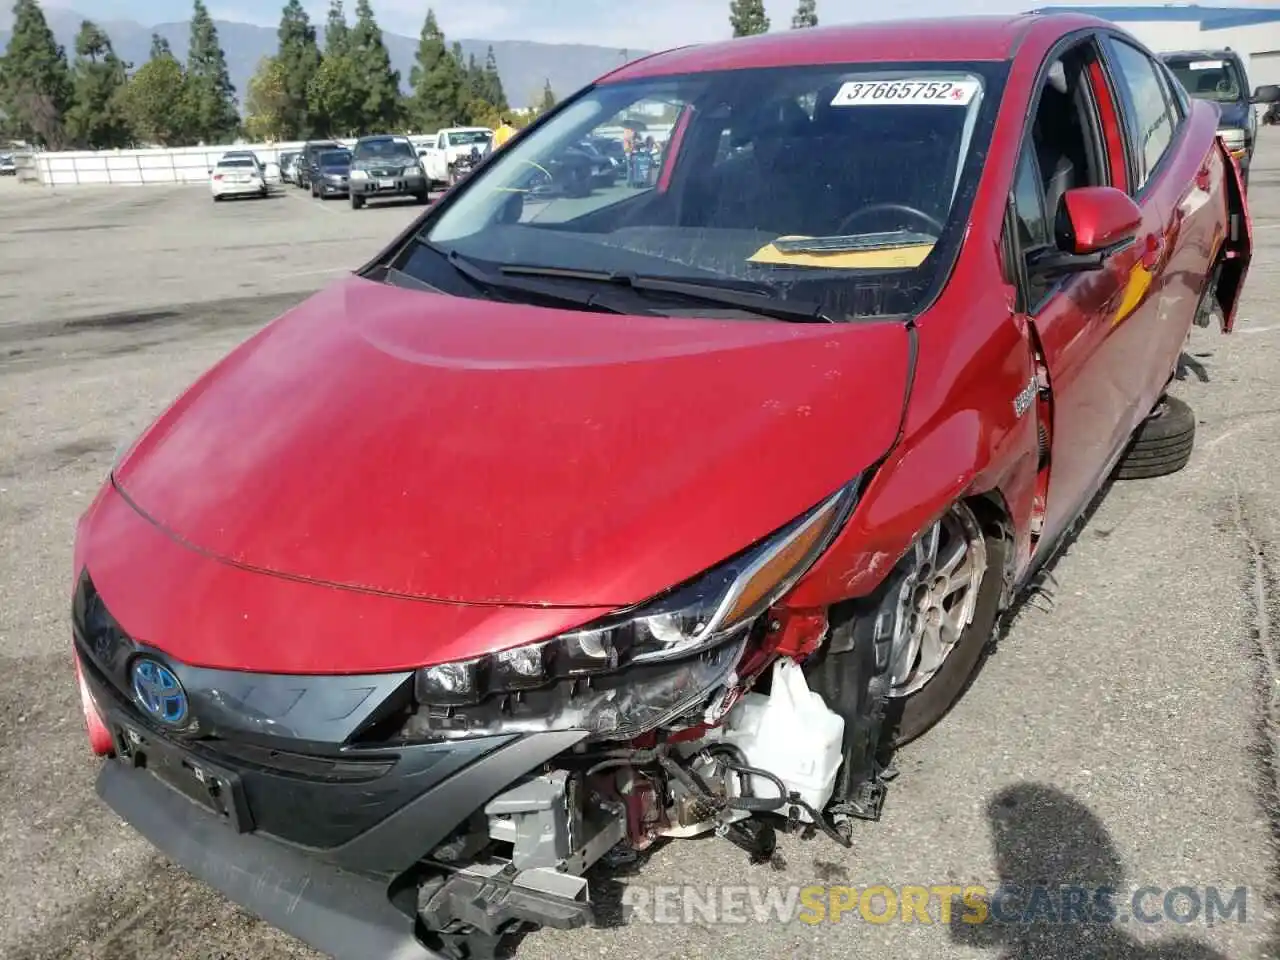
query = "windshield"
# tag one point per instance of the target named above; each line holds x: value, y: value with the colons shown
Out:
x: 1206, y: 78
x: 782, y: 179
x: 462, y: 138
x: 385, y: 150
x: 335, y: 158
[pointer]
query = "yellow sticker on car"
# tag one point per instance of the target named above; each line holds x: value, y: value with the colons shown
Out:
x: 884, y: 258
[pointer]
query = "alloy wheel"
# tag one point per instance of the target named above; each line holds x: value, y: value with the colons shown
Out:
x: 936, y: 600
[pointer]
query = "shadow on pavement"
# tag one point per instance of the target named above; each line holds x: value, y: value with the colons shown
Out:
x: 1046, y: 841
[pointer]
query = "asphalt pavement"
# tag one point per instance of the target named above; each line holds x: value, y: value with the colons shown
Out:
x: 1123, y: 733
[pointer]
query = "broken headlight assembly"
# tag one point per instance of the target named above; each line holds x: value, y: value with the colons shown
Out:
x: 635, y: 669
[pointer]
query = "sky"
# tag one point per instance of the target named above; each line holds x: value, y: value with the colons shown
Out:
x: 642, y: 25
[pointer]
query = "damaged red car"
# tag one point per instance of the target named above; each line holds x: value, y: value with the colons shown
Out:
x: 576, y: 520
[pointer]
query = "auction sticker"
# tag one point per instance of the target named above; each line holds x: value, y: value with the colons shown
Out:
x: 872, y: 93
x: 1208, y: 65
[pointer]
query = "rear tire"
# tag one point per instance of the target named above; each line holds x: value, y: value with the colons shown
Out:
x: 1162, y: 445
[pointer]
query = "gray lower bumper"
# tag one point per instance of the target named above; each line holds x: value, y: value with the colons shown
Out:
x: 345, y: 915
x: 399, y: 187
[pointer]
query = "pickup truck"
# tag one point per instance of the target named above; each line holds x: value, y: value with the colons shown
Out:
x: 441, y: 152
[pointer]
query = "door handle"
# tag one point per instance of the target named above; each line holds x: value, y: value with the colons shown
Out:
x: 1154, y: 251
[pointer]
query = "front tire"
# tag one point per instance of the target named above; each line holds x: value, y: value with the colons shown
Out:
x: 356, y: 202
x: 946, y: 596
x: 1162, y: 445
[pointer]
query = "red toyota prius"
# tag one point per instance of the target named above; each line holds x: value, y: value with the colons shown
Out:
x: 609, y: 505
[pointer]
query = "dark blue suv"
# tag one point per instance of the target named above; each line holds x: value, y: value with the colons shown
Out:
x: 1219, y: 76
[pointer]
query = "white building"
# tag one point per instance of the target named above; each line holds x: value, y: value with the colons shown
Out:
x: 1252, y: 32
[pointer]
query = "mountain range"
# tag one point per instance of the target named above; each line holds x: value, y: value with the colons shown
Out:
x: 525, y: 66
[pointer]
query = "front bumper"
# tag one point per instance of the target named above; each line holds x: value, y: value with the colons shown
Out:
x: 332, y: 188
x: 401, y: 185
x: 335, y: 911
x: 344, y: 901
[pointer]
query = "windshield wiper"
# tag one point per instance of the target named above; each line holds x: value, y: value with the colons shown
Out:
x: 489, y: 281
x: 706, y: 291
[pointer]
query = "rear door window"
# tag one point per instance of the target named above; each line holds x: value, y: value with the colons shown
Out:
x: 1149, y: 116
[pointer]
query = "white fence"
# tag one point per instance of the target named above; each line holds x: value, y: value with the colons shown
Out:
x: 181, y: 164
x: 140, y: 167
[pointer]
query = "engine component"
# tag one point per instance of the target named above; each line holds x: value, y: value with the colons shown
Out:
x: 789, y: 732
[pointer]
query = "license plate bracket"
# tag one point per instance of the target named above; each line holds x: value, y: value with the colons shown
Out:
x: 215, y: 788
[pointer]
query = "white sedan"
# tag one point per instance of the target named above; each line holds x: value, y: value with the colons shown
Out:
x: 237, y: 177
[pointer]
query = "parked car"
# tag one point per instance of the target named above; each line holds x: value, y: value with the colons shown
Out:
x: 244, y: 155
x: 238, y: 176
x: 287, y: 160
x: 8, y: 166
x: 386, y: 167
x: 1219, y: 77
x: 450, y: 147
x: 559, y: 529
x: 1272, y: 115
x: 304, y: 165
x: 332, y: 170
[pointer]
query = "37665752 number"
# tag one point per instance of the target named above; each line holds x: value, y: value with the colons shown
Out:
x: 858, y: 93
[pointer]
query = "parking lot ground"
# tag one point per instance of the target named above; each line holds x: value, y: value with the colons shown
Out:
x: 1122, y: 734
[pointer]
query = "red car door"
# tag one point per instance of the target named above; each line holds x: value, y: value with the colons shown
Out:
x: 1089, y: 326
x: 1175, y: 200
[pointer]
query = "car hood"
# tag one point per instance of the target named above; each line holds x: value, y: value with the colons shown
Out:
x: 455, y: 449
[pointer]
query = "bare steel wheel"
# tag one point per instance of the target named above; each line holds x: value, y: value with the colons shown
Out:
x: 943, y: 608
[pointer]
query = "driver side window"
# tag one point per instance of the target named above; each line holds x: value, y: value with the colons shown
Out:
x: 1064, y: 150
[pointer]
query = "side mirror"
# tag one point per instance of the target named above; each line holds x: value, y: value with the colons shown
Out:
x: 1268, y: 93
x: 1092, y: 224
x: 1096, y: 220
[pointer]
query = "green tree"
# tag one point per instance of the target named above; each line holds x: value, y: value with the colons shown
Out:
x: 269, y: 104
x: 436, y: 81
x: 379, y: 84
x: 493, y: 89
x: 806, y: 15
x: 548, y: 100
x: 336, y: 98
x: 159, y: 47
x: 211, y: 97
x: 155, y: 101
x: 337, y: 35
x: 96, y: 119
x: 294, y: 66
x: 35, y: 83
x: 747, y: 17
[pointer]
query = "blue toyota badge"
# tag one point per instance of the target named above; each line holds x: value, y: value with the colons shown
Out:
x: 158, y: 692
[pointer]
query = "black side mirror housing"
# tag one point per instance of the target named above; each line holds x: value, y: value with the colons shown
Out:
x: 1267, y: 93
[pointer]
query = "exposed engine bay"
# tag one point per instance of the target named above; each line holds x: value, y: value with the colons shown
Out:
x: 754, y: 756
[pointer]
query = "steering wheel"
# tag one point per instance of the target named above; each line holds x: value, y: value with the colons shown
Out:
x: 935, y: 226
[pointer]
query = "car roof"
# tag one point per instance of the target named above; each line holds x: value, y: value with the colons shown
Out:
x: 395, y: 137
x: 937, y: 39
